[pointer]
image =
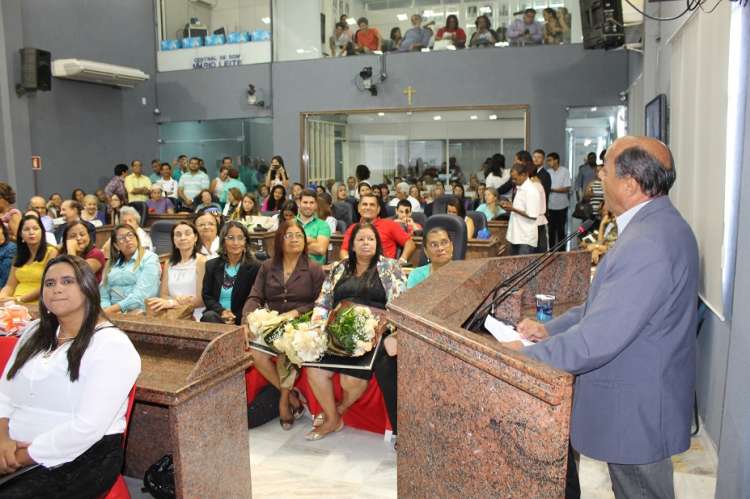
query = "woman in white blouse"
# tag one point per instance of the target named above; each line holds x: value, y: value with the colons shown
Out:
x: 182, y: 283
x: 64, y: 392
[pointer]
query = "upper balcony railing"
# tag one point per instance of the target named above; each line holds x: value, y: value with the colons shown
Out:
x: 204, y: 34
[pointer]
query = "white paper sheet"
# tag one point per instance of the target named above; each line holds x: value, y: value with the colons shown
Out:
x: 503, y: 332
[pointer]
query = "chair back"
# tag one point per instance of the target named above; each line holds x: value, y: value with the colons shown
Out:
x: 390, y: 211
x: 438, y: 206
x: 341, y: 226
x: 142, y: 210
x: 161, y: 236
x: 456, y: 229
x: 120, y: 489
x: 343, y: 211
x: 269, y: 213
x: 419, y: 218
x: 479, y: 219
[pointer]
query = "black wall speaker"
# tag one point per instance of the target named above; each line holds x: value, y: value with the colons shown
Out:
x: 36, y: 70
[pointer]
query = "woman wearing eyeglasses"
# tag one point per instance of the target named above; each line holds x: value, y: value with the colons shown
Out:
x: 288, y: 283
x: 132, y: 273
x: 439, y: 250
x: 230, y: 276
x: 208, y: 234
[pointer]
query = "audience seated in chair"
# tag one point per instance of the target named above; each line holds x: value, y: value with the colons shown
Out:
x: 288, y: 283
x: 70, y: 418
x: 132, y: 273
x: 32, y: 254
x: 384, y: 282
x: 182, y: 280
x: 230, y: 276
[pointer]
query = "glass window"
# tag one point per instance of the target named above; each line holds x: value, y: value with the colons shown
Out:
x: 204, y: 34
x: 249, y: 142
x: 388, y: 21
x: 448, y: 144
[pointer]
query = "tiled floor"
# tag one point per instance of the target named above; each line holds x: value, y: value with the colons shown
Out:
x: 358, y: 464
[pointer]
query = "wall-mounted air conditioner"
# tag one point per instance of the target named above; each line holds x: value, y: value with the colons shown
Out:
x: 98, y: 72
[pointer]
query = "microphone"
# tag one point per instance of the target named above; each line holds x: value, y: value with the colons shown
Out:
x: 520, y: 278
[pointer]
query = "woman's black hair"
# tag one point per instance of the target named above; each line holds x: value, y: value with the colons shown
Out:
x: 289, y: 206
x: 351, y: 263
x: 274, y: 204
x: 247, y: 255
x: 393, y: 32
x: 448, y: 20
x: 44, y: 339
x: 362, y: 173
x: 463, y: 191
x: 64, y: 249
x: 457, y: 204
x: 73, y: 194
x: 496, y: 164
x: 486, y: 19
x: 175, y: 257
x: 23, y: 253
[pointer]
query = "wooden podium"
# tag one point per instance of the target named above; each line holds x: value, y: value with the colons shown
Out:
x: 190, y: 402
x: 477, y: 419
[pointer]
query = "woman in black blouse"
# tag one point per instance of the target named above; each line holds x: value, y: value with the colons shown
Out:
x: 366, y: 278
x: 230, y: 276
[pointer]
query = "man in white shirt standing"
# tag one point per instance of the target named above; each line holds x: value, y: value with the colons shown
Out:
x: 523, y: 235
x: 559, y: 199
x: 402, y: 192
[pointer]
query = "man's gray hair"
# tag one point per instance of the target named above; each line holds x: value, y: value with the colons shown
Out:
x: 129, y: 210
x: 403, y: 187
x: 654, y: 177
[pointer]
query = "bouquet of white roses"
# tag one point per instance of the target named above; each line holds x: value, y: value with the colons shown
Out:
x: 351, y: 331
x: 266, y: 326
x: 302, y: 342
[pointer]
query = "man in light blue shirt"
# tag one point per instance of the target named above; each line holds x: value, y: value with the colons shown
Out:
x: 192, y: 182
x: 416, y: 37
x: 526, y: 31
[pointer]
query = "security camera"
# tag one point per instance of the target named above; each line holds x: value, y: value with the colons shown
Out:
x: 366, y: 76
x: 157, y: 111
x: 251, y: 97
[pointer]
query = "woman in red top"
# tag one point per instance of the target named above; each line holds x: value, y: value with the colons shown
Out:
x: 451, y: 31
x: 77, y: 241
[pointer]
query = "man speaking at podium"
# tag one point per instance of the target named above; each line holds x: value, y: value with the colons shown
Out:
x: 632, y: 344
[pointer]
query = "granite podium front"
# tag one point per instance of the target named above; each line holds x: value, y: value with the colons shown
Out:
x: 476, y: 419
x: 191, y: 403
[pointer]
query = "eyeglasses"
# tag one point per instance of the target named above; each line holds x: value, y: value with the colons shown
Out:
x: 125, y: 237
x: 239, y: 239
x: 443, y: 243
x: 293, y: 235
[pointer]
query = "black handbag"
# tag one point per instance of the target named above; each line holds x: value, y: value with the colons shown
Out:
x: 159, y: 479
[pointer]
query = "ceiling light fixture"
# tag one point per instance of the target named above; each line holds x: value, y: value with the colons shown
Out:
x: 402, y: 17
x: 266, y: 20
x: 493, y: 116
x: 473, y: 117
x: 437, y: 117
x: 381, y: 114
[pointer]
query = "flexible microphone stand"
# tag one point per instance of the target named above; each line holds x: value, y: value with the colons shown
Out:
x: 519, y: 279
